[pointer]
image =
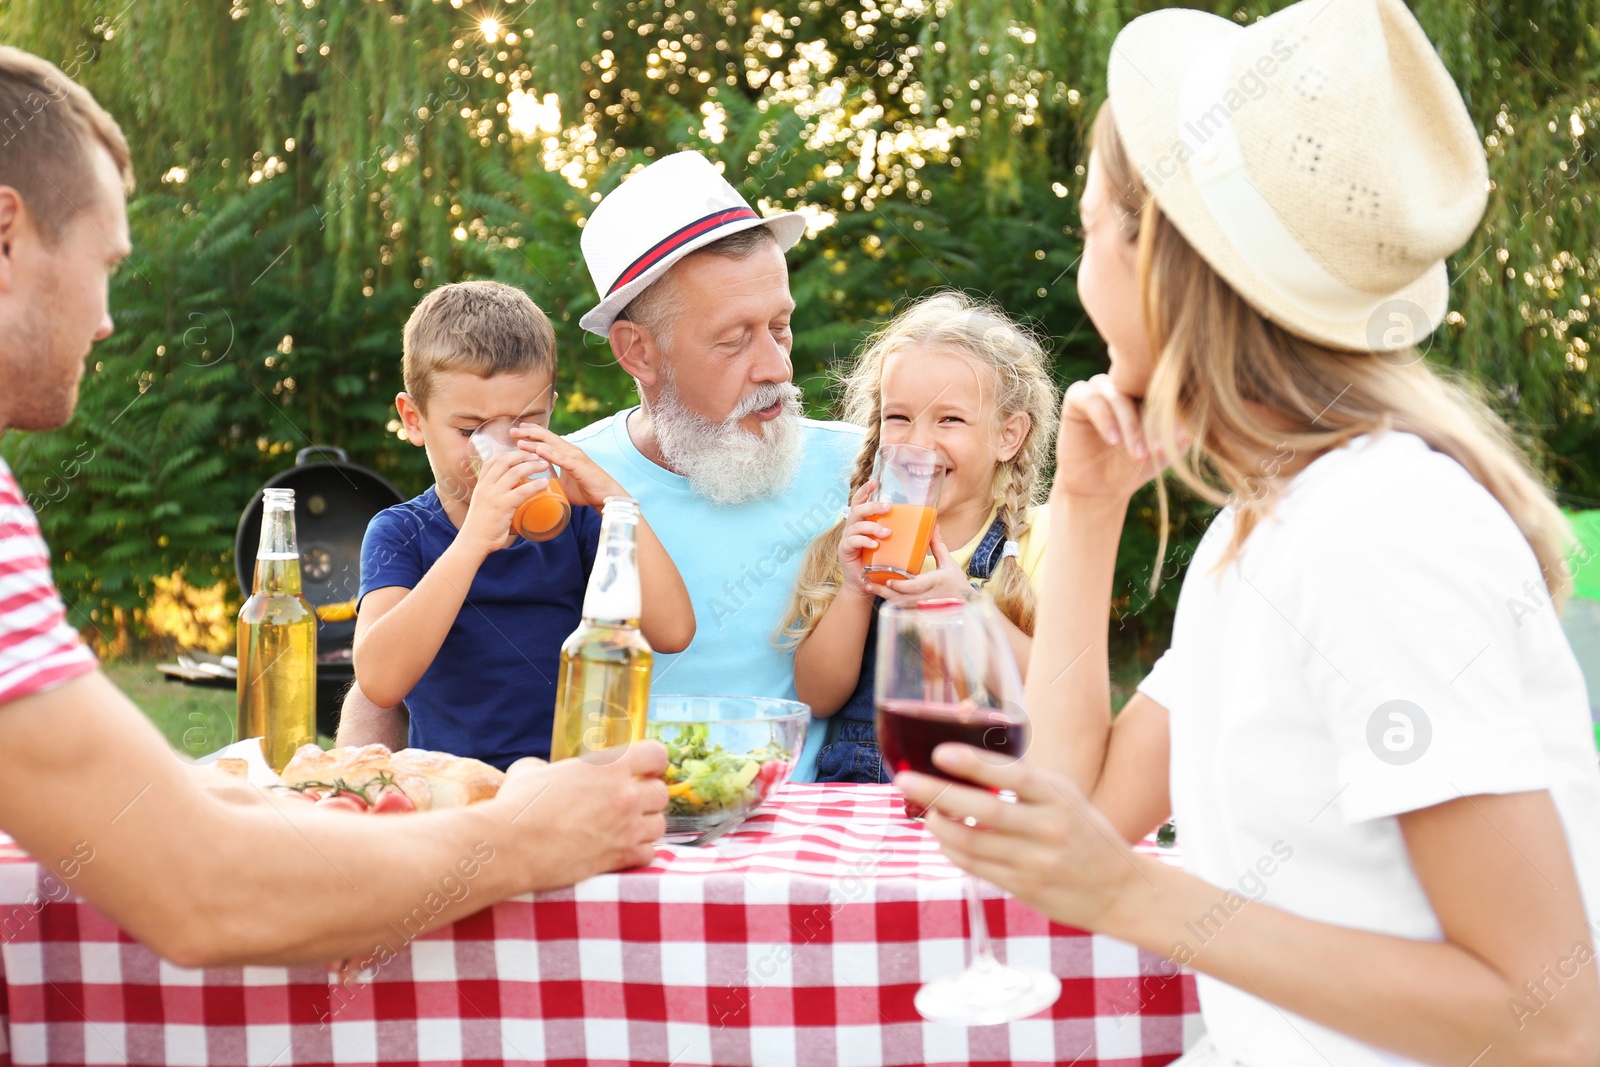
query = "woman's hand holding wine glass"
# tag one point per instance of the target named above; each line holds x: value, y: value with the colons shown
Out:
x: 1051, y: 848
x: 945, y: 672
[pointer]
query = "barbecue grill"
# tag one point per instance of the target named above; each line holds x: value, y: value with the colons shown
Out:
x: 334, y: 500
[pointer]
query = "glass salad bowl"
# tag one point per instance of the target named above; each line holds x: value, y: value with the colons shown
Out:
x: 725, y: 756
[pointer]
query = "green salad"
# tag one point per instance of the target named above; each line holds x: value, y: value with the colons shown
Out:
x: 705, y: 779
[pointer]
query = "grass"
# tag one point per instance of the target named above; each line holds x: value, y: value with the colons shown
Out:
x: 194, y: 719
x: 197, y: 719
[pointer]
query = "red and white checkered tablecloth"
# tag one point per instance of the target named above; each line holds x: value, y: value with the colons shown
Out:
x: 800, y: 939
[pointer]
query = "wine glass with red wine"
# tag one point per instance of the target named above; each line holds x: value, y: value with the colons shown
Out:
x: 945, y: 672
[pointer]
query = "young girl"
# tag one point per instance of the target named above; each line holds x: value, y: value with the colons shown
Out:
x: 1381, y: 770
x: 962, y: 379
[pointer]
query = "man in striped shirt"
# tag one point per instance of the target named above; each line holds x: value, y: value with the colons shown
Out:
x: 207, y: 871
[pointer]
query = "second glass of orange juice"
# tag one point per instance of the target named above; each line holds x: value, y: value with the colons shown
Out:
x: 909, y: 478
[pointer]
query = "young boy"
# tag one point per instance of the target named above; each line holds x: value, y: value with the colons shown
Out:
x: 460, y: 617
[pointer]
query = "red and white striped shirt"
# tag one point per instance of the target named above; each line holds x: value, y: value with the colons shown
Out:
x: 38, y: 649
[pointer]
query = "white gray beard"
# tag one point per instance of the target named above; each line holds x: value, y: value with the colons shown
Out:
x: 725, y: 463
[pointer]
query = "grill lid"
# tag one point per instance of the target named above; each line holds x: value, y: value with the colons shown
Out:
x: 333, y: 502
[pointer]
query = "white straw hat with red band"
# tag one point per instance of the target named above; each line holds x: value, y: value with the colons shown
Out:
x: 674, y: 206
x: 1321, y: 160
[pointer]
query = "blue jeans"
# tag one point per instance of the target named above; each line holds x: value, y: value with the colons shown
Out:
x: 852, y: 756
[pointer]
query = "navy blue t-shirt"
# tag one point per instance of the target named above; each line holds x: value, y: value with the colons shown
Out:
x: 490, y: 693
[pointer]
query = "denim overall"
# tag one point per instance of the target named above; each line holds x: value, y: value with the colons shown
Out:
x: 851, y: 751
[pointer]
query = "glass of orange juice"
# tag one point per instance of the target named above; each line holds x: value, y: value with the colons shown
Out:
x: 544, y: 514
x: 909, y: 478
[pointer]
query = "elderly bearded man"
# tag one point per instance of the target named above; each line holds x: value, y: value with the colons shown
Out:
x: 695, y: 302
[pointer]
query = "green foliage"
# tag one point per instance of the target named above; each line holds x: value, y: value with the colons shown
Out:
x: 226, y: 358
x: 308, y: 168
x: 1521, y: 288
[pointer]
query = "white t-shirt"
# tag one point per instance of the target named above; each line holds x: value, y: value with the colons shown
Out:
x: 1384, y: 643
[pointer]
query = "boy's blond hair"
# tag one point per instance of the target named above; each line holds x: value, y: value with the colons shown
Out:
x: 482, y: 327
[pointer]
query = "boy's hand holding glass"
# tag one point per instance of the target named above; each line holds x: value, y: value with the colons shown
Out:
x: 502, y: 487
x: 543, y: 511
x: 584, y: 481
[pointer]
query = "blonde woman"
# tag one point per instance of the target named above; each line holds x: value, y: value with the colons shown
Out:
x: 960, y: 378
x: 1387, y: 799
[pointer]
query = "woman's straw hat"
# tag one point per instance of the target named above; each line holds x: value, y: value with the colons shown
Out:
x: 674, y: 206
x: 1321, y: 160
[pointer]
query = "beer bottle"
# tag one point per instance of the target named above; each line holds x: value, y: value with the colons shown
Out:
x: 278, y: 642
x: 603, y: 691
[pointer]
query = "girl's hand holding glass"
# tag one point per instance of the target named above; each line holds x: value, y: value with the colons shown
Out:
x: 909, y: 478
x: 947, y: 579
x: 862, y: 532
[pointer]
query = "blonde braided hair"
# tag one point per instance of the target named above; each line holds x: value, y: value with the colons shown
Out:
x: 1009, y: 585
x: 981, y: 331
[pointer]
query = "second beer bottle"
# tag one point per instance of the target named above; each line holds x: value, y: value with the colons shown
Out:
x: 603, y: 692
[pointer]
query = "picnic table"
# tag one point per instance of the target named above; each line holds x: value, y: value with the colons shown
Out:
x: 800, y: 939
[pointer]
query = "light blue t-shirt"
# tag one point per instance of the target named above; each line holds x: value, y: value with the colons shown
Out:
x: 740, y: 562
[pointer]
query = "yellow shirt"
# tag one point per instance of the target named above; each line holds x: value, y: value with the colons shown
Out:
x: 1031, y: 545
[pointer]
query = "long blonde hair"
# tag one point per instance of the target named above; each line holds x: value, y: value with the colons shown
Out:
x: 952, y: 322
x: 1215, y: 355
